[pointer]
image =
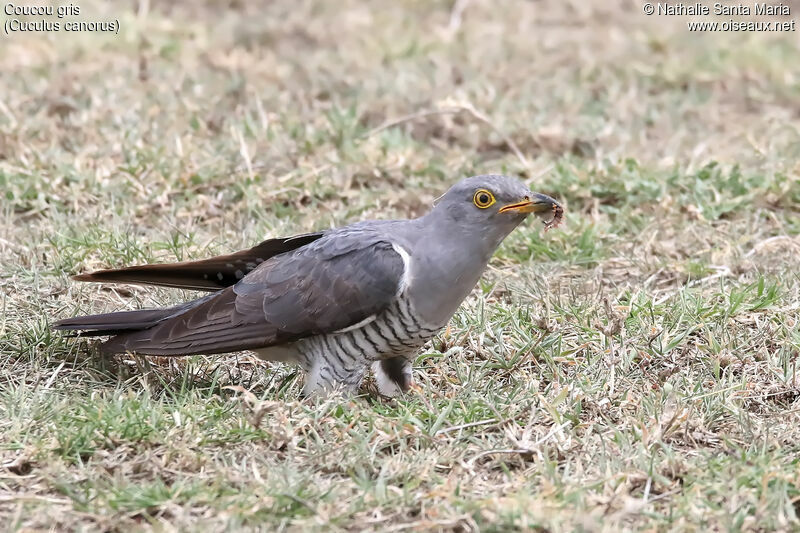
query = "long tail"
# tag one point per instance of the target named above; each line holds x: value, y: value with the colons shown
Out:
x: 212, y: 274
x: 123, y: 321
x: 114, y: 323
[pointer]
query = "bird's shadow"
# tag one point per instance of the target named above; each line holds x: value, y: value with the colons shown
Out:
x: 212, y: 375
x: 175, y: 376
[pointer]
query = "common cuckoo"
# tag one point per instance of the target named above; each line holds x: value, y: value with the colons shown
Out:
x: 335, y: 302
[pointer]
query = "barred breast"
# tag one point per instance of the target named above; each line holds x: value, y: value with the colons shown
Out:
x: 344, y: 356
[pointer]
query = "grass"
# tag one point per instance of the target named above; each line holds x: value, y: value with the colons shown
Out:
x: 633, y: 370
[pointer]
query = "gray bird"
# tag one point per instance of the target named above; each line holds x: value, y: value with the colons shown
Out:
x: 335, y: 302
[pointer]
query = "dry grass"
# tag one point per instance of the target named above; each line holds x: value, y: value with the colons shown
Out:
x: 633, y: 370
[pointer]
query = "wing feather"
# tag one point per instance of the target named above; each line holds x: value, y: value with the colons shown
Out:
x: 324, y: 287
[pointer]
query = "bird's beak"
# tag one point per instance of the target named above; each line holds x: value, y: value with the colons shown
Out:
x: 540, y: 204
x: 536, y: 203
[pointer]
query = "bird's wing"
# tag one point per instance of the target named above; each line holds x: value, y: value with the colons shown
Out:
x: 212, y: 274
x: 329, y: 285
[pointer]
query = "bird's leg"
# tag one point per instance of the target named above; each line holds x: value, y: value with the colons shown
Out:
x: 393, y: 376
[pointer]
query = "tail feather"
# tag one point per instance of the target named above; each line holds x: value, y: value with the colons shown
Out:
x: 211, y: 274
x: 123, y: 321
x: 112, y: 323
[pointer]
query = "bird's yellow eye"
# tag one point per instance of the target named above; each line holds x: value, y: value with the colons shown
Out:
x: 483, y: 198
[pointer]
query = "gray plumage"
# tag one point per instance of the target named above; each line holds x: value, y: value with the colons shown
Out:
x: 335, y: 302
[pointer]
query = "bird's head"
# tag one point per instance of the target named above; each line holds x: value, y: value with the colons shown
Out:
x: 493, y: 205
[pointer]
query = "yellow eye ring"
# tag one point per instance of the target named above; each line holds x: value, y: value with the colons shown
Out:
x: 483, y: 198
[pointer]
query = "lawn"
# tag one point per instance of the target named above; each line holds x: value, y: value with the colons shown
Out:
x: 635, y: 369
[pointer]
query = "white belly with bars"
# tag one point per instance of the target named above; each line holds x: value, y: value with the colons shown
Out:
x: 343, y: 357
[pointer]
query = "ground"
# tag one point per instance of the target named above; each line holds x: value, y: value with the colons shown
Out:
x: 634, y: 369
